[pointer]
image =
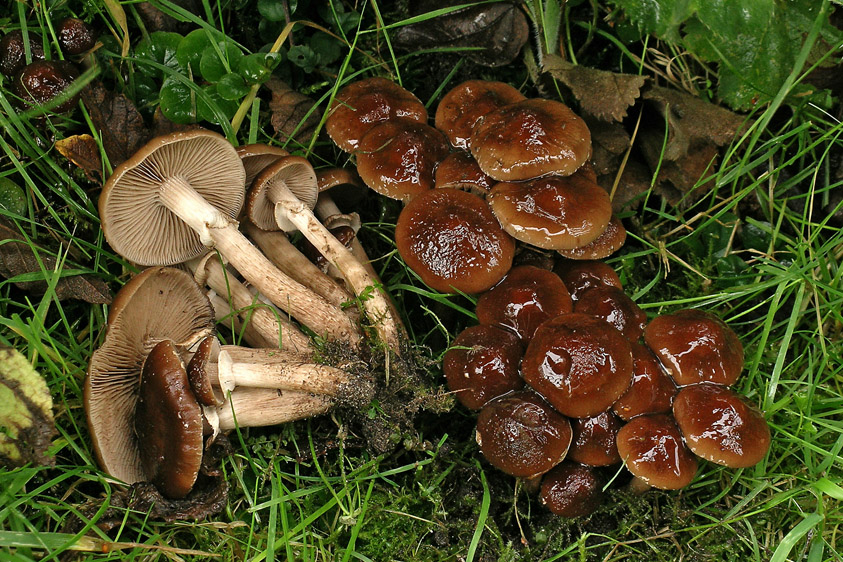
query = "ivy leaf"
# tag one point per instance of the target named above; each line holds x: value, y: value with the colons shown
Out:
x: 26, y: 412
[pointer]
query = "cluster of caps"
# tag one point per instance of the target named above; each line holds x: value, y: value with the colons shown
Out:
x: 568, y: 375
x: 519, y: 166
x: 41, y: 80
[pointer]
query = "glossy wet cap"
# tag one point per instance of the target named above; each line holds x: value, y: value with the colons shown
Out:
x: 522, y: 435
x: 397, y: 158
x: 719, y: 425
x: 527, y: 297
x: 530, y: 139
x: 13, y: 51
x: 41, y: 81
x: 463, y: 106
x: 594, y: 439
x: 570, y: 489
x: 610, y: 241
x: 579, y: 276
x: 579, y: 363
x: 75, y: 36
x: 553, y: 213
x: 459, y: 170
x: 199, y: 374
x: 168, y: 423
x: 651, y: 447
x: 363, y: 104
x: 695, y: 346
x: 652, y: 390
x: 481, y: 364
x: 453, y: 242
x: 615, y: 307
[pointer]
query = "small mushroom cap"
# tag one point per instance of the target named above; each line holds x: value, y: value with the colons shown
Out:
x: 530, y: 139
x: 615, y: 307
x: 695, y: 346
x: 610, y: 241
x: 168, y: 423
x: 579, y: 363
x: 527, y: 297
x: 463, y: 106
x: 256, y: 157
x: 482, y: 364
x: 398, y: 158
x: 42, y: 80
x: 719, y: 426
x: 554, y: 213
x: 520, y: 434
x: 158, y: 304
x: 652, y: 449
x: 199, y: 376
x: 570, y: 489
x: 453, y: 242
x: 13, y: 51
x: 579, y: 276
x: 459, y: 170
x: 75, y: 36
x: 291, y: 172
x: 365, y: 103
x: 652, y: 390
x: 138, y: 226
x: 594, y: 440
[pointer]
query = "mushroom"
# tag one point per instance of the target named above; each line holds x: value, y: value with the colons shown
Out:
x: 529, y: 139
x: 179, y: 195
x: 695, y: 346
x: 464, y: 105
x: 42, y: 81
x: 719, y: 426
x: 570, y: 489
x: 615, y: 307
x: 482, y: 364
x: 579, y: 363
x: 256, y: 157
x: 527, y: 297
x: 594, y: 439
x: 13, y: 52
x: 520, y: 434
x: 610, y: 241
x: 459, y: 170
x: 651, y: 391
x: 363, y: 104
x: 579, y: 276
x: 75, y: 36
x: 451, y: 240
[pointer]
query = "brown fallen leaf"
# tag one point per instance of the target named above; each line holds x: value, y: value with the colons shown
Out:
x: 289, y: 110
x: 17, y: 258
x: 603, y: 94
x: 609, y: 142
x: 498, y: 29
x: 118, y: 122
x: 634, y: 181
x: 82, y: 150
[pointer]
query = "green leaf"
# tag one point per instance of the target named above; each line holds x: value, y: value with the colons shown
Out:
x: 213, y: 67
x: 12, y: 197
x: 304, y: 57
x: 328, y: 48
x: 177, y: 102
x: 257, y: 68
x: 190, y: 50
x: 159, y: 47
x: 216, y: 109
x: 272, y: 10
x: 26, y: 412
x: 232, y: 87
x: 660, y: 17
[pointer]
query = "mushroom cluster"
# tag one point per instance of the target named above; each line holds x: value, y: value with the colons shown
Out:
x: 569, y: 376
x: 517, y: 168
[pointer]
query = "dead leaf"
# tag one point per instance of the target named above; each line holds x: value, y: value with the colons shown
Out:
x: 609, y: 142
x: 17, y: 259
x: 605, y: 95
x: 289, y: 109
x: 498, y: 29
x: 118, y: 122
x: 83, y: 151
x: 634, y: 181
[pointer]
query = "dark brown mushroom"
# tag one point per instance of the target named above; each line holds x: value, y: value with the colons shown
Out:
x: 652, y: 390
x: 579, y: 276
x: 652, y: 449
x: 615, y: 307
x: 75, y: 36
x: 594, y: 439
x: 610, y: 241
x: 459, y: 170
x: 570, y: 489
x: 453, y: 242
x: 42, y: 81
x: 13, y: 52
x: 463, y: 106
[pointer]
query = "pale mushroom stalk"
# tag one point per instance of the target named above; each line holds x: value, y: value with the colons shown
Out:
x: 255, y: 407
x: 224, y: 313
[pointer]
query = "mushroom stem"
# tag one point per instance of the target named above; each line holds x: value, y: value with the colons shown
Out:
x: 638, y: 486
x: 223, y: 312
x: 218, y: 230
x: 254, y: 407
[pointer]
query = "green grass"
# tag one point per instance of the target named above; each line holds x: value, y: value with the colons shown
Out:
x: 759, y: 248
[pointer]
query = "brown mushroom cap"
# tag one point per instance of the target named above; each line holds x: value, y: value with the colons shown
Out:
x: 397, y: 158
x: 482, y: 364
x: 652, y: 449
x: 695, y: 346
x: 554, y: 213
x: 292, y: 173
x: 198, y: 373
x: 652, y: 390
x: 365, y: 103
x: 529, y: 139
x: 571, y: 490
x: 138, y: 226
x: 256, y: 157
x: 610, y: 241
x: 168, y: 423
x: 465, y: 104
x: 41, y: 81
x: 579, y: 363
x: 453, y: 242
x: 594, y: 439
x: 155, y: 305
x: 615, y: 307
x: 520, y: 434
x: 579, y: 276
x: 75, y: 36
x: 525, y: 298
x: 719, y: 426
x: 13, y: 51
x: 459, y: 170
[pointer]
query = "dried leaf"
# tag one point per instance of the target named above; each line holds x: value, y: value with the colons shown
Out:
x: 118, y: 122
x: 289, y: 109
x: 499, y: 29
x: 634, y: 181
x: 26, y: 412
x: 605, y: 95
x: 83, y: 151
x: 609, y: 142
x: 18, y: 259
